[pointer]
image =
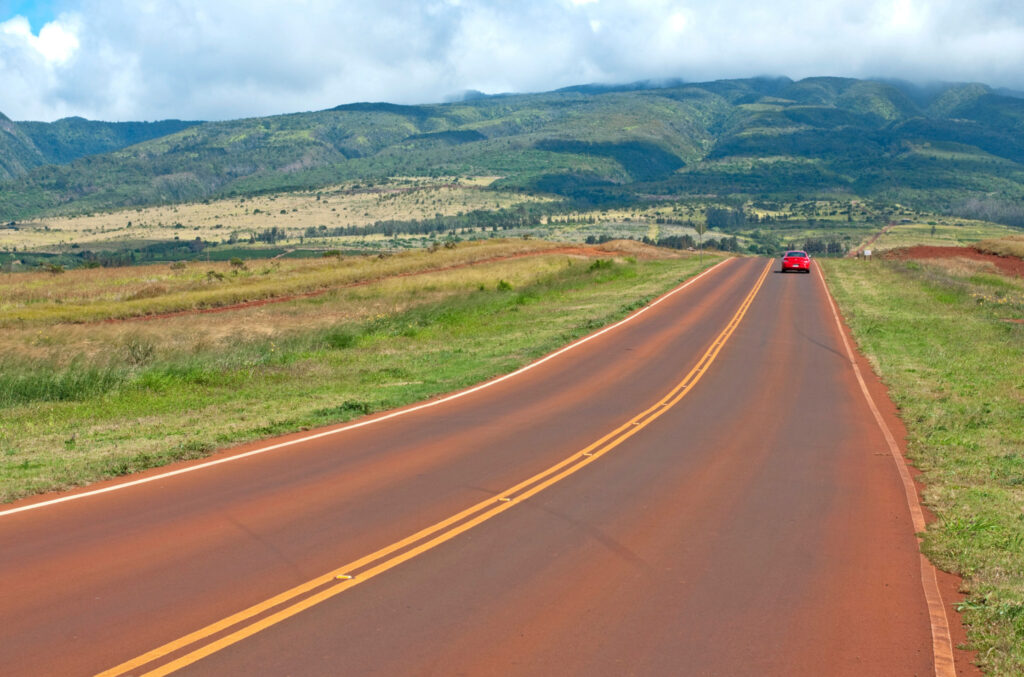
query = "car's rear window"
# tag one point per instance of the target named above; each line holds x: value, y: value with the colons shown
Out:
x: 800, y: 254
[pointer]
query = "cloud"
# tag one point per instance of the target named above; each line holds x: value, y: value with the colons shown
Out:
x: 32, y: 67
x: 56, y: 43
x: 133, y: 59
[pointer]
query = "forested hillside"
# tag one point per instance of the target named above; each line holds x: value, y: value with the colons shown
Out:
x: 939, y: 147
x: 26, y: 145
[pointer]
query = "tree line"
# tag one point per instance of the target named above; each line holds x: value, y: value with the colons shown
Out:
x: 1006, y: 212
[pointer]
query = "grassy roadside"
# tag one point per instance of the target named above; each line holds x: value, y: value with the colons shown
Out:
x: 99, y: 401
x: 941, y: 337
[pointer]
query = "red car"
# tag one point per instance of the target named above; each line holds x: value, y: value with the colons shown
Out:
x: 796, y: 260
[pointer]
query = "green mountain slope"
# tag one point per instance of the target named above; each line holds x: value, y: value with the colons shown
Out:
x: 17, y: 152
x: 71, y: 138
x: 26, y: 145
x: 591, y: 143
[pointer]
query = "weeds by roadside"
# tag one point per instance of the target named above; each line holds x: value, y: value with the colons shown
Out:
x: 134, y: 398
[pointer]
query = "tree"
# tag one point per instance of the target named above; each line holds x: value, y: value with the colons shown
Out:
x: 702, y: 227
x: 724, y: 219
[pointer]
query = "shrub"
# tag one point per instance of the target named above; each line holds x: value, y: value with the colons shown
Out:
x: 138, y: 350
x: 340, y: 338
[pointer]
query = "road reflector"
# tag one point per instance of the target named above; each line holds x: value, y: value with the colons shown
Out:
x: 505, y: 498
x: 344, y: 577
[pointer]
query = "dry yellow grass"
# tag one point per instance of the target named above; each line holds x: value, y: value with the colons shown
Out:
x: 1012, y: 245
x: 952, y: 232
x: 348, y: 204
x: 641, y: 250
x: 62, y: 343
x: 640, y: 213
x: 961, y: 267
x: 396, y: 284
x: 88, y: 295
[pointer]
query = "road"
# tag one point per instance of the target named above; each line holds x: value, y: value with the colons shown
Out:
x: 702, y: 490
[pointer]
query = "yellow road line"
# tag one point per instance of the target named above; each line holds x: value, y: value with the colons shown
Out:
x: 353, y: 574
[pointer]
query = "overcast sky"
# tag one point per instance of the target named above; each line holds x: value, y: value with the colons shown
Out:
x: 222, y: 59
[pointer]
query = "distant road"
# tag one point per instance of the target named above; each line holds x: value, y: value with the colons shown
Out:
x: 702, y: 490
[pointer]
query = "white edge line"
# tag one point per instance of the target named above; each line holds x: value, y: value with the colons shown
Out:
x: 942, y: 642
x: 378, y: 419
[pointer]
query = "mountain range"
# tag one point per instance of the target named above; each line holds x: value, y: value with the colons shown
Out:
x: 932, y: 146
x: 27, y: 145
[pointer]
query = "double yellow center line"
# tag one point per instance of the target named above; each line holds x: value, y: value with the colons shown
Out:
x: 217, y: 636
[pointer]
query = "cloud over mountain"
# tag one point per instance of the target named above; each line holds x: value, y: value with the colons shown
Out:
x: 121, y: 60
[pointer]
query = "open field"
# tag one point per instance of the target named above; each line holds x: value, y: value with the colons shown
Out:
x: 770, y: 227
x: 946, y: 337
x: 619, y: 227
x: 95, y: 294
x: 940, y: 232
x: 401, y: 214
x: 351, y: 204
x: 86, y: 401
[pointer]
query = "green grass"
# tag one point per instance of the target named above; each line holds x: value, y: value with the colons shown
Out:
x: 939, y: 338
x: 69, y: 422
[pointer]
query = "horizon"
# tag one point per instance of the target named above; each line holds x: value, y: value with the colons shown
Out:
x: 637, y: 85
x: 116, y: 60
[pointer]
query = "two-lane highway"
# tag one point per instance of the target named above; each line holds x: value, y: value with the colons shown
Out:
x: 700, y: 490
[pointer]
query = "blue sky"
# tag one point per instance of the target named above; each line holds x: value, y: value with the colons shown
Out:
x: 38, y: 12
x: 220, y: 59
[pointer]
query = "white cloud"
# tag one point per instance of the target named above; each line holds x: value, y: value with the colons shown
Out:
x: 131, y: 59
x: 17, y: 26
x: 677, y: 21
x: 907, y: 16
x: 32, y: 67
x: 56, y: 42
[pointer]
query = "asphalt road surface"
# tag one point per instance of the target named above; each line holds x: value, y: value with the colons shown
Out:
x: 702, y: 490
